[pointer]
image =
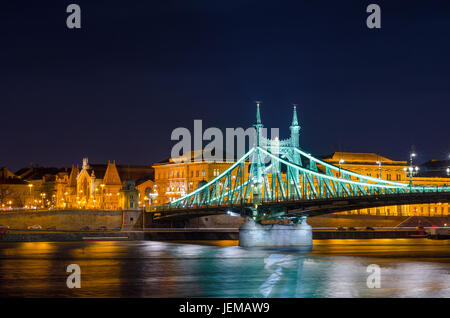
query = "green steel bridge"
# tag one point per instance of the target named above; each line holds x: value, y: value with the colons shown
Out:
x: 277, y: 180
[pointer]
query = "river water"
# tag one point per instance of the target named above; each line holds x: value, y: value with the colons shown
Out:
x: 334, y: 268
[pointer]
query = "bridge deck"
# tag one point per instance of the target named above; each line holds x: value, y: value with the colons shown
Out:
x: 308, y: 208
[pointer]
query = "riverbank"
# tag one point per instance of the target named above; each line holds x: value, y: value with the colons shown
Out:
x: 193, y: 235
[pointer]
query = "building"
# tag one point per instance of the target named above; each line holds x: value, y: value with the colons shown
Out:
x: 94, y: 186
x: 432, y: 173
x: 175, y: 178
x: 148, y: 194
x: 14, y: 192
x: 101, y: 186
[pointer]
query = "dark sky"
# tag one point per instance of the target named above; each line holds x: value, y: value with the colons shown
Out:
x: 116, y: 88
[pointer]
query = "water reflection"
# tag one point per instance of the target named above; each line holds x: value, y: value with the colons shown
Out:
x: 285, y: 275
x: 409, y: 268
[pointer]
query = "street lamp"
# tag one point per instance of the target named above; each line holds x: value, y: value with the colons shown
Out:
x: 448, y: 168
x: 411, y: 170
x: 30, y: 185
x: 341, y: 161
x: 103, y: 195
x: 152, y: 197
x: 379, y: 169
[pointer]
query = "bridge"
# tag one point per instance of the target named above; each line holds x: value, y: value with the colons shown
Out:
x: 277, y: 180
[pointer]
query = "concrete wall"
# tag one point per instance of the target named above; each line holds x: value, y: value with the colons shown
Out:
x: 132, y: 220
x: 216, y: 221
x: 336, y: 220
x: 63, y: 220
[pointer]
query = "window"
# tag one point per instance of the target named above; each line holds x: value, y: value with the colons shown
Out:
x: 192, y: 174
x: 399, y: 177
x: 196, y: 173
x: 203, y: 172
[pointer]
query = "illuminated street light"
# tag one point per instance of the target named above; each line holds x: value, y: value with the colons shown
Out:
x: 30, y: 185
x: 411, y: 170
x: 341, y: 161
x: 379, y: 169
x: 448, y: 168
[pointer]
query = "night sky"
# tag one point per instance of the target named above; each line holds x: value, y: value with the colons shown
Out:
x: 136, y: 70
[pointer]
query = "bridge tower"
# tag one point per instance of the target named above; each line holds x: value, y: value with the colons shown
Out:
x: 295, y: 129
x: 258, y: 160
x: 294, y: 142
x: 255, y: 234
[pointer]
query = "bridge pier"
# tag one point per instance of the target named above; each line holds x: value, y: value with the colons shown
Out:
x: 252, y: 234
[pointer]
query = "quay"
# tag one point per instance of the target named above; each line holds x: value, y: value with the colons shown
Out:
x: 195, y: 234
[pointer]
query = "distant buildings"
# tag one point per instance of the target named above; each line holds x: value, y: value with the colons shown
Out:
x: 97, y: 186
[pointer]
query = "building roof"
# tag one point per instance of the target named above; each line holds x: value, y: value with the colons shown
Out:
x: 195, y: 156
x: 132, y: 172
x: 5, y: 173
x: 37, y: 173
x: 361, y: 158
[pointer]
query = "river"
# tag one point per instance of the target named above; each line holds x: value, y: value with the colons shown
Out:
x: 333, y: 268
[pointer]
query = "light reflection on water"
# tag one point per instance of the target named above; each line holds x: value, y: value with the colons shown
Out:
x: 334, y: 268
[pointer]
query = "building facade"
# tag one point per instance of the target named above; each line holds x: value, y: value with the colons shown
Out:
x: 374, y: 165
x: 99, y: 186
x: 93, y: 186
x: 174, y: 179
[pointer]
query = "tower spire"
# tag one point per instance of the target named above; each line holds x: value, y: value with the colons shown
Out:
x: 295, y: 129
x: 294, y: 117
x: 258, y: 115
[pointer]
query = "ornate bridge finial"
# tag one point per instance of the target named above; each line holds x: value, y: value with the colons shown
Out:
x: 258, y: 115
x: 294, y: 117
